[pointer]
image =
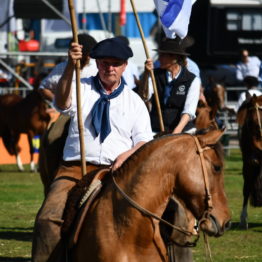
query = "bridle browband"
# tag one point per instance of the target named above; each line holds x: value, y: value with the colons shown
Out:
x: 206, y: 213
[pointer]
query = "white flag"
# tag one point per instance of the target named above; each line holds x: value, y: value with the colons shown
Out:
x: 174, y: 16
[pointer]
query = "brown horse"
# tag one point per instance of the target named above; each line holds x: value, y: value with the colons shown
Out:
x: 249, y: 118
x: 205, y: 116
x: 215, y: 96
x: 22, y: 115
x: 117, y: 230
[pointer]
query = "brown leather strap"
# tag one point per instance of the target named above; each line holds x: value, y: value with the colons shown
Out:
x: 205, y: 176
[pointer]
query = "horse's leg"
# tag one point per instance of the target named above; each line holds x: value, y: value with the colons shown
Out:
x: 246, y: 191
x: 10, y: 140
x: 19, y: 162
x: 16, y: 149
x: 30, y: 136
x: 176, y: 214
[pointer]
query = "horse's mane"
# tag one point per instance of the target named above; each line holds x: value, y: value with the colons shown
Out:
x: 145, y: 149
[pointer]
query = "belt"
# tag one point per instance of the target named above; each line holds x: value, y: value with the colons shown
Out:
x: 78, y: 163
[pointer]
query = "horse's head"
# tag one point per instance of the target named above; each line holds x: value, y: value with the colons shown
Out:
x: 249, y: 116
x: 205, y: 115
x: 200, y: 183
x: 215, y: 94
x: 219, y: 95
x: 35, y: 107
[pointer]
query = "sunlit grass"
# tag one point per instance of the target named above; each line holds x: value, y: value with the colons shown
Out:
x: 21, y: 195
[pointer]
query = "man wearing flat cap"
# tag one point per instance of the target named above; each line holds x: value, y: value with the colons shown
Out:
x: 116, y: 124
x: 178, y: 89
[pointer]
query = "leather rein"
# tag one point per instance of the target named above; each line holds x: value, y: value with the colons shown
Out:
x: 206, y: 213
x: 258, y: 107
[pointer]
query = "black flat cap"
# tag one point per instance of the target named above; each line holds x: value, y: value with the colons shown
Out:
x: 111, y: 47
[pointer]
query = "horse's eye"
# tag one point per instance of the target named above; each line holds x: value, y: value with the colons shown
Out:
x: 217, y: 168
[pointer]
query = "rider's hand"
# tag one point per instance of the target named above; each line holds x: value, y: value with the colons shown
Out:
x: 149, y: 65
x: 120, y: 160
x: 75, y: 52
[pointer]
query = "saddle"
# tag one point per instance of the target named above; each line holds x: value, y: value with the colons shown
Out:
x: 79, y: 201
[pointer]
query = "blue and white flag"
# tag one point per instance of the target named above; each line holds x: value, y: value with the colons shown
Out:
x: 174, y: 16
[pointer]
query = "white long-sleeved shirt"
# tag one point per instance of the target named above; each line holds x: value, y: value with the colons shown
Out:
x: 251, y: 68
x: 192, y: 95
x: 242, y: 96
x: 129, y: 120
x: 51, y: 81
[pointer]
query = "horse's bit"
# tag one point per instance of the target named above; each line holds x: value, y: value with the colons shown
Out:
x: 206, y: 213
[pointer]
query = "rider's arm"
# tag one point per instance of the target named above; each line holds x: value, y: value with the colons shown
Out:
x: 63, y: 94
x: 189, y: 110
x: 145, y: 84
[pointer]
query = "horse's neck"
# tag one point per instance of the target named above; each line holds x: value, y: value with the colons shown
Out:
x: 147, y: 178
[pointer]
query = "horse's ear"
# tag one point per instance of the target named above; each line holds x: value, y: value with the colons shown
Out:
x: 201, y: 103
x: 213, y: 112
x: 211, y: 138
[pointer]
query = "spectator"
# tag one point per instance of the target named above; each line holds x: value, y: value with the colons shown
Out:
x: 88, y: 67
x: 53, y: 140
x: 251, y: 84
x: 248, y: 66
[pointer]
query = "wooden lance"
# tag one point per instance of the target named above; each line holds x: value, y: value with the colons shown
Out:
x: 151, y: 71
x: 78, y: 90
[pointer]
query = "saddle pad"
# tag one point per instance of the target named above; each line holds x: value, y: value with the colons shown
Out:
x: 85, y: 203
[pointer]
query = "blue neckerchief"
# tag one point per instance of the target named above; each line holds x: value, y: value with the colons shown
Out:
x: 100, y: 110
x: 168, y: 87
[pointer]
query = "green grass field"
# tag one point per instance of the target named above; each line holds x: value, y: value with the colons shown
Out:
x: 21, y: 195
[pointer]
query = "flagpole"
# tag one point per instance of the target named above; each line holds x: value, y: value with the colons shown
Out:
x: 78, y: 91
x: 151, y: 71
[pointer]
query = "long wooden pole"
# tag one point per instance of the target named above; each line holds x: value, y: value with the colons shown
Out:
x: 78, y: 90
x: 151, y: 71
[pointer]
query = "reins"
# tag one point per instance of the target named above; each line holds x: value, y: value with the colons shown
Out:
x: 258, y: 107
x: 206, y: 213
x: 147, y: 212
x: 200, y: 150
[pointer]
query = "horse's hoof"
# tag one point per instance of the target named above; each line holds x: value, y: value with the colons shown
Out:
x: 243, y: 225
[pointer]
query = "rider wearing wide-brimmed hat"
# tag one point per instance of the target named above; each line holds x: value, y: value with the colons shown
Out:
x: 178, y: 89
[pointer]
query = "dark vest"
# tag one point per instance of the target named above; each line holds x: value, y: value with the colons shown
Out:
x: 172, y: 109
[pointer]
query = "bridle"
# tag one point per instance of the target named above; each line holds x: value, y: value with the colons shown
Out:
x: 207, y: 211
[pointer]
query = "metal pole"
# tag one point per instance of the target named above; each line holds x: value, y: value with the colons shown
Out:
x: 151, y: 71
x: 101, y: 16
x: 84, y: 18
x: 78, y: 90
x: 62, y: 54
x: 15, y: 74
x: 57, y: 12
x: 109, y: 16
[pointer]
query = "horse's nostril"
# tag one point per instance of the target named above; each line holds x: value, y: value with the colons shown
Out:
x: 227, y: 225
